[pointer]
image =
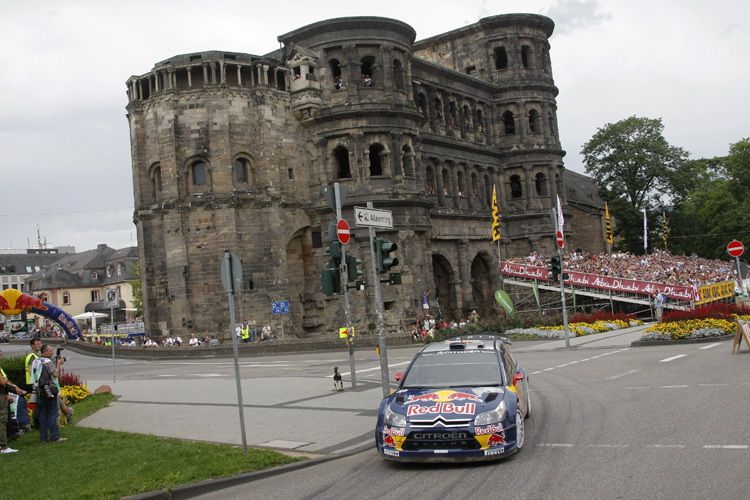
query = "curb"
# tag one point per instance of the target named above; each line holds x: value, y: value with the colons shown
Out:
x: 645, y: 343
x: 192, y: 490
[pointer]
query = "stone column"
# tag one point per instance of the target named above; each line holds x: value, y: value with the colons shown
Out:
x: 397, y: 167
x: 465, y: 275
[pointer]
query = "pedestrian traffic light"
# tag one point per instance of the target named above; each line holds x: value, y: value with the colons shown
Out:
x: 334, y: 250
x: 553, y: 268
x: 353, y: 273
x: 382, y: 250
x: 331, y: 281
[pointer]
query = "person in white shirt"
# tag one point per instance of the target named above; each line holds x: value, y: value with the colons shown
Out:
x: 194, y: 342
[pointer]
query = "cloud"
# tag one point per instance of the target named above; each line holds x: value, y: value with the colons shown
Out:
x: 574, y: 15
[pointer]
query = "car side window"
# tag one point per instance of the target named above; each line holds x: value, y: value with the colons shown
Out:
x: 509, y: 364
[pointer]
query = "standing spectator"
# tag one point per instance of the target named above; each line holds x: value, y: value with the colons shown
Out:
x: 658, y: 305
x: 6, y: 388
x: 36, y: 348
x: 474, y: 317
x: 245, y: 332
x: 253, y: 329
x: 425, y: 303
x: 48, y: 407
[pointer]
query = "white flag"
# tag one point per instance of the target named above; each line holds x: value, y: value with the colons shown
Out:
x: 645, y: 230
x: 560, y: 218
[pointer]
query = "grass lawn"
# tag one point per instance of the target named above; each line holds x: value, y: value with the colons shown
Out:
x: 98, y: 464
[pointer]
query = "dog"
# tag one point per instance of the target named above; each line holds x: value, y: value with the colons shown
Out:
x: 338, y: 385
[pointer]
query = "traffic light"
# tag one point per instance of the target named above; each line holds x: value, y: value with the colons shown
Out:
x: 334, y: 250
x: 382, y: 249
x: 331, y: 281
x: 554, y: 268
x: 353, y: 273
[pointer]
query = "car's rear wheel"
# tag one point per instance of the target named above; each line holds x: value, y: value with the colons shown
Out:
x: 520, y: 429
x: 528, y: 403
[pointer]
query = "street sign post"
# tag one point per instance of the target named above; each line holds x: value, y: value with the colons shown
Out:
x: 735, y: 249
x: 370, y: 217
x: 112, y: 300
x: 342, y: 231
x: 280, y: 308
x: 231, y: 278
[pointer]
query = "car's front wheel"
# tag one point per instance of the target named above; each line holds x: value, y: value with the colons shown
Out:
x: 520, y: 429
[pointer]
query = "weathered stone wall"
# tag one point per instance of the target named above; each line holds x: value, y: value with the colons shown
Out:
x: 421, y: 138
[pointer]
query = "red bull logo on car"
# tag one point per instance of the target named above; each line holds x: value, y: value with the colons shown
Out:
x: 443, y: 396
x: 490, y: 429
x: 466, y: 409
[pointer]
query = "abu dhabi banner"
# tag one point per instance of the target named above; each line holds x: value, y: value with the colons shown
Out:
x: 687, y: 293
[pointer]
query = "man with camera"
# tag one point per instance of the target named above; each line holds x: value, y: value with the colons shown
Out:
x: 47, y: 389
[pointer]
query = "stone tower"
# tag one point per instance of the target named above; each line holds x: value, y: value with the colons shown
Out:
x: 230, y: 152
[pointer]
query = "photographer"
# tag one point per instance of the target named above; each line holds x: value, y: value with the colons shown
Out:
x: 48, y: 391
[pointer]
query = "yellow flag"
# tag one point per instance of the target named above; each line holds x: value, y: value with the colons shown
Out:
x: 609, y: 226
x: 495, y: 217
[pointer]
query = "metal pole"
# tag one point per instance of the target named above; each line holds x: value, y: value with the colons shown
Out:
x: 347, y: 307
x: 112, y: 323
x: 739, y: 275
x: 236, y: 355
x: 282, y: 325
x: 384, y: 376
x: 562, y: 285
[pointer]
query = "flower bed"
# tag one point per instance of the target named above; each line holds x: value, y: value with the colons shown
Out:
x: 577, y: 329
x: 711, y: 320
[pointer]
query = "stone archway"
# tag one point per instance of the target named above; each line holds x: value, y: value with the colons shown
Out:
x: 300, y: 267
x: 482, y: 287
x: 445, y: 289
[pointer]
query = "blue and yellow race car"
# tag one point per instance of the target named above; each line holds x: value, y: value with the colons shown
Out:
x: 461, y: 399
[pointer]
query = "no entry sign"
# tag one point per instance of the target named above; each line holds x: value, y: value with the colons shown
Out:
x: 342, y: 230
x: 560, y: 240
x: 735, y: 248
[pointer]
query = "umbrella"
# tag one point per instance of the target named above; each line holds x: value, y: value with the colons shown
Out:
x: 92, y: 316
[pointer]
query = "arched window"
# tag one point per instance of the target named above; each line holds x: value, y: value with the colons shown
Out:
x: 452, y: 110
x: 438, y: 110
x: 525, y: 56
x: 430, y: 180
x: 336, y: 73
x: 376, y: 166
x: 156, y: 182
x: 551, y: 121
x: 94, y: 275
x: 479, y: 125
x: 534, y: 121
x: 399, y: 75
x: 467, y: 115
x: 368, y: 71
x: 199, y: 174
x: 422, y: 103
x: 66, y: 298
x: 119, y: 269
x: 540, y: 181
x: 109, y: 272
x: 341, y: 155
x: 241, y: 171
x: 501, y: 58
x: 516, y: 190
x: 510, y: 123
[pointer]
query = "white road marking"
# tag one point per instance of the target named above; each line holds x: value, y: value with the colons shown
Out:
x: 636, y: 388
x: 667, y: 360
x: 666, y: 446
x: 709, y: 346
x: 674, y: 386
x: 725, y: 447
x: 713, y: 385
x: 613, y: 377
x: 556, y: 445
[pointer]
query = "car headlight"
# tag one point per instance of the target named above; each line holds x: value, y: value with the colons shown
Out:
x: 492, y: 416
x: 393, y: 418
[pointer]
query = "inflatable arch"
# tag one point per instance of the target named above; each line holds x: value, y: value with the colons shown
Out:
x: 14, y: 302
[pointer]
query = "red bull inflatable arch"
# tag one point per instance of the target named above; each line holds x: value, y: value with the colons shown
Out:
x: 14, y: 302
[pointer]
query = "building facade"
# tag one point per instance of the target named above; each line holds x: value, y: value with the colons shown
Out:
x: 231, y: 151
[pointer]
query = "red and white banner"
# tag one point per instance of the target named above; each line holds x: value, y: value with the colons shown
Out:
x: 687, y: 293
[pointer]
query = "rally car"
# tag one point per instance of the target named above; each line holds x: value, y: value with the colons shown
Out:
x: 460, y: 399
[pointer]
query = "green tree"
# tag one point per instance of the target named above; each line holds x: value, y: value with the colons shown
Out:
x: 633, y: 162
x: 135, y: 269
x: 631, y: 158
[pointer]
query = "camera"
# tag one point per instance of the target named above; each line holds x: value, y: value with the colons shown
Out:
x: 48, y: 392
x: 57, y: 354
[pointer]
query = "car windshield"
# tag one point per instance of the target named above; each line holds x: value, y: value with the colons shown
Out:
x: 453, y: 369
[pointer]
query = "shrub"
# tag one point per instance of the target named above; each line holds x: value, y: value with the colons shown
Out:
x: 15, y: 369
x: 68, y: 378
x: 74, y: 393
x: 715, y: 310
x: 605, y: 316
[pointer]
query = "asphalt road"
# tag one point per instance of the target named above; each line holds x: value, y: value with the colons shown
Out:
x: 608, y: 421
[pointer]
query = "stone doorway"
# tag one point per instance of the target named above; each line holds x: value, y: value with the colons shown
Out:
x: 445, y: 289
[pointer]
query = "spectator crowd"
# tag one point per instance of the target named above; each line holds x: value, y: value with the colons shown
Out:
x: 659, y: 267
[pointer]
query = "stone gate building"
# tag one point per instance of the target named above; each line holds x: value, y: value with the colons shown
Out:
x: 230, y: 152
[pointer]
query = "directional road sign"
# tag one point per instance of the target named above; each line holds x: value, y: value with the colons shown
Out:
x: 371, y: 217
x: 342, y: 230
x: 735, y: 248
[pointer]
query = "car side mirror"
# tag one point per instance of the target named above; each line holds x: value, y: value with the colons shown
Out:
x: 518, y: 377
x: 399, y: 376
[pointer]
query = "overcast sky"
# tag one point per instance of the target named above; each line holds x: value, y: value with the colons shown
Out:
x: 64, y: 141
